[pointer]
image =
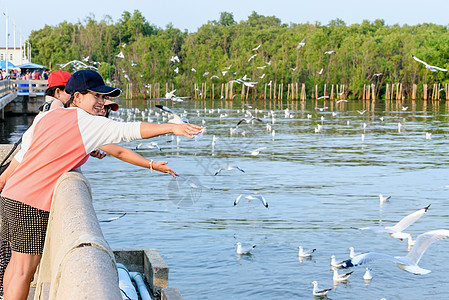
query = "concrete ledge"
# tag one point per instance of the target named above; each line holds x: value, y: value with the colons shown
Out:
x: 148, y: 262
x: 77, y: 262
x: 171, y: 294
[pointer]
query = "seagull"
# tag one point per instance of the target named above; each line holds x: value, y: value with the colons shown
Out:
x: 193, y: 70
x: 383, y: 199
x: 228, y: 168
x: 261, y: 68
x: 428, y: 135
x: 429, y: 67
x: 176, y: 118
x: 86, y: 59
x: 409, y: 262
x: 367, y: 275
x: 322, y: 97
x: 248, y: 120
x: 336, y: 264
x: 322, y: 108
x: 396, y: 230
x: 205, y: 74
x: 257, y: 151
x: 112, y: 219
x: 223, y: 73
x: 244, y: 250
x: 321, y: 71
x: 120, y: 55
x: 263, y: 75
x: 318, y: 292
x: 251, y: 197
x: 177, y: 70
x: 340, y: 277
x: 257, y: 48
x: 252, y: 56
x: 302, y: 253
x: 301, y: 44
x: 351, y: 252
x: 342, y: 100
x: 329, y: 52
x: 404, y: 108
x: 150, y: 145
x: 361, y: 111
x: 199, y: 91
x: 174, y: 59
x: 378, y: 74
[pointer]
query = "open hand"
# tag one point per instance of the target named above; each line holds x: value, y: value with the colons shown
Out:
x: 161, y: 166
x: 186, y: 129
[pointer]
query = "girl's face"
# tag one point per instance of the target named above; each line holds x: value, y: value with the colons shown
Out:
x: 91, y: 102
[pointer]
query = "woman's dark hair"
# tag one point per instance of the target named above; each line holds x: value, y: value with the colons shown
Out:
x: 51, y: 91
x: 68, y: 103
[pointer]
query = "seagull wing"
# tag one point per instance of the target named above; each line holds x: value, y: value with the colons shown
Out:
x: 218, y: 171
x: 236, y: 167
x: 377, y: 229
x: 440, y: 69
x: 365, y: 258
x: 112, y: 219
x: 262, y: 199
x: 236, y: 201
x: 410, y: 219
x: 165, y: 108
x: 240, y: 122
x: 423, y: 241
x: 418, y: 60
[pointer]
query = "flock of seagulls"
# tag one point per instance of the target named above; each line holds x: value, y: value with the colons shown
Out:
x: 407, y: 262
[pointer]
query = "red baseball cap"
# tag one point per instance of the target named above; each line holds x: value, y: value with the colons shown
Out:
x: 58, y: 78
x: 113, y: 104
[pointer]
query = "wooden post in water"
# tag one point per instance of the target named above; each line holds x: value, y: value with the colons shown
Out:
x: 281, y: 88
x: 316, y: 91
x: 247, y: 92
x: 274, y: 91
x: 288, y: 92
x: 265, y: 92
x: 270, y: 91
x: 373, y: 92
x: 424, y: 90
x: 364, y: 92
x: 212, y: 92
x: 414, y: 91
x: 445, y: 91
x: 297, y: 89
x: 303, y: 92
x: 325, y: 91
x: 332, y: 93
x: 397, y: 92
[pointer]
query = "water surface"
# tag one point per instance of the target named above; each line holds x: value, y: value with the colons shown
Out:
x: 318, y: 186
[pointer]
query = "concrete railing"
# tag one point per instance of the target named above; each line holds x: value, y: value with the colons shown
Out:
x: 77, y: 262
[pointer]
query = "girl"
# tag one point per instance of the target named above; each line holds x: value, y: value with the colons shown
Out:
x: 57, y: 142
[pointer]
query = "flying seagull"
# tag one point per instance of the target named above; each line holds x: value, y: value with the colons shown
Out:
x: 429, y: 67
x: 176, y: 118
x: 228, y: 168
x: 409, y: 262
x: 396, y: 230
x: 251, y: 197
x: 112, y: 219
x: 248, y: 120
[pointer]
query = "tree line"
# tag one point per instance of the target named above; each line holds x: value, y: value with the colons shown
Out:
x: 132, y: 50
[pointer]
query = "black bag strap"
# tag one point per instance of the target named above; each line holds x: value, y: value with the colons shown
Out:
x: 16, y: 144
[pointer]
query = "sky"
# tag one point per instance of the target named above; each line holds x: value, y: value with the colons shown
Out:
x: 30, y: 15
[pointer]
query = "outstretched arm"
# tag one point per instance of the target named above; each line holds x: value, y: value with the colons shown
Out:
x: 148, y: 130
x: 129, y: 156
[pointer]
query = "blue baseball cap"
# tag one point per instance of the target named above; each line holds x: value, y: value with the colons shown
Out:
x: 89, y: 80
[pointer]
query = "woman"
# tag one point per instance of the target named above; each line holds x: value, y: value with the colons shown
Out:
x: 57, y: 142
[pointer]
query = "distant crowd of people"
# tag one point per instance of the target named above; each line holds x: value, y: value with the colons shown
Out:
x: 15, y: 74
